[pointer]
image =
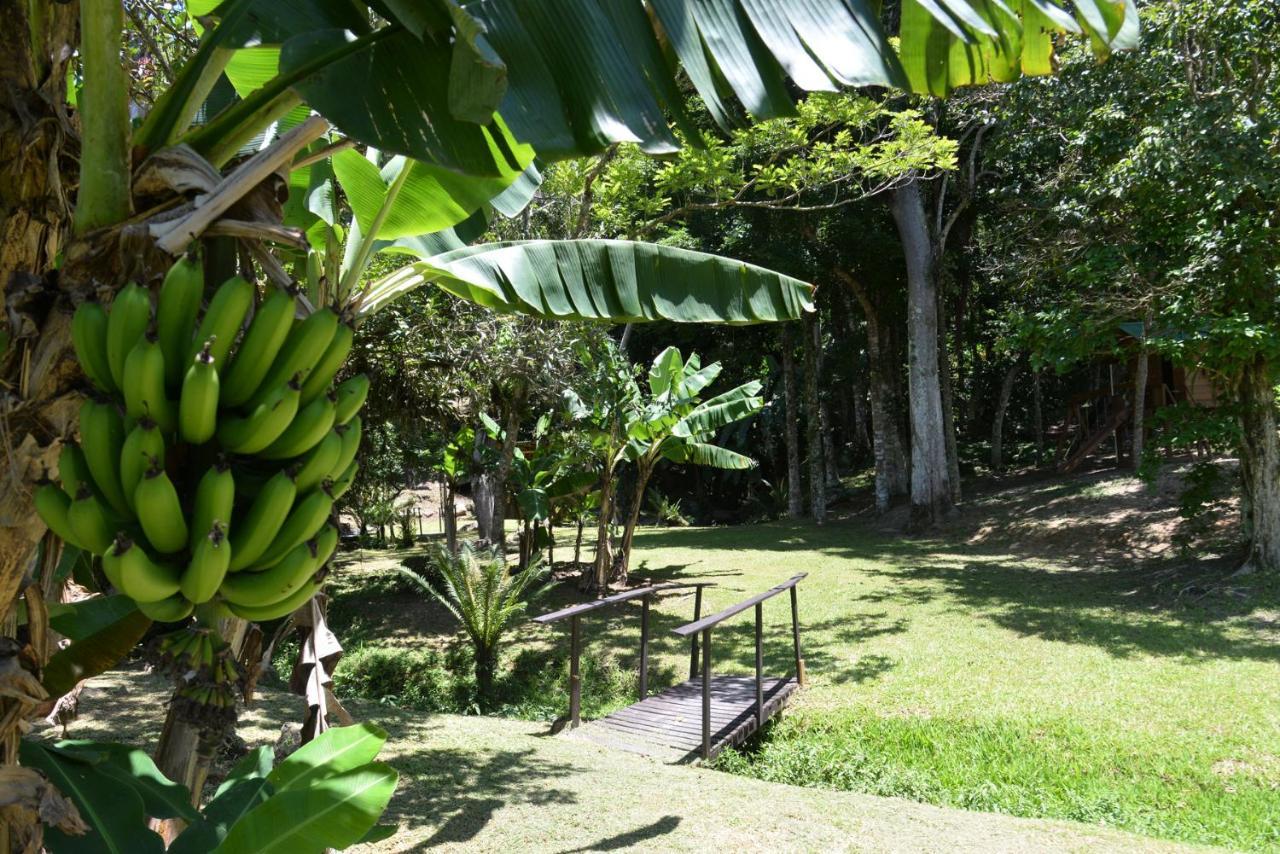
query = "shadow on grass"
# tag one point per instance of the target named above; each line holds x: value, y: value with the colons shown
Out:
x: 466, y: 787
x: 632, y: 838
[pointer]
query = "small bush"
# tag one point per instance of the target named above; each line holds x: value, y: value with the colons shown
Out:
x: 416, y: 679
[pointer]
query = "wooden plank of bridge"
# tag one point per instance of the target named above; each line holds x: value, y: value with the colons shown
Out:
x: 668, y: 725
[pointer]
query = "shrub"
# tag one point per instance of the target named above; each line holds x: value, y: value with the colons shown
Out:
x: 414, y: 678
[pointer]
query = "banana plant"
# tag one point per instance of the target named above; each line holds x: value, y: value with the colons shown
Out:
x: 327, y: 794
x: 676, y: 425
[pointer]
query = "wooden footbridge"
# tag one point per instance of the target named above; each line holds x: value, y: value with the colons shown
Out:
x: 698, y: 717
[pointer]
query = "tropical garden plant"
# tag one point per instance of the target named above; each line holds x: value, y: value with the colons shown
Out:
x: 424, y: 114
x: 485, y: 598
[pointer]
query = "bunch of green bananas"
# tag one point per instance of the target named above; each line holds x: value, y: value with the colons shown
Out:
x: 213, y: 446
x: 206, y: 696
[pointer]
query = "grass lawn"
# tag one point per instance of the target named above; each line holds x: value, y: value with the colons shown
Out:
x: 1042, y: 658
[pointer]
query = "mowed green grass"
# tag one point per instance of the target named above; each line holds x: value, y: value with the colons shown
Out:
x: 995, y: 680
x: 1043, y: 676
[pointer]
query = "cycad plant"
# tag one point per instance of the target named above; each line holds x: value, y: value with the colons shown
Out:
x: 485, y: 598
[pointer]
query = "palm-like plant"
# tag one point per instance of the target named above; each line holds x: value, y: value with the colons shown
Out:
x: 485, y: 598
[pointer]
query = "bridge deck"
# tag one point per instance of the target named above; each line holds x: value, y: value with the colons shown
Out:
x: 668, y: 725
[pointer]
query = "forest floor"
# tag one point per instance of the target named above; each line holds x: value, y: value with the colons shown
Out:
x: 1048, y: 655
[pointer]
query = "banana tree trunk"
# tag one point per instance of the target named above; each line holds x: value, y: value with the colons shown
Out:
x: 38, y: 153
x: 604, y: 557
x: 644, y: 470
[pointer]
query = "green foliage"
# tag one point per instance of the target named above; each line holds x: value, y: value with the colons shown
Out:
x: 485, y: 598
x: 328, y: 794
x: 411, y: 678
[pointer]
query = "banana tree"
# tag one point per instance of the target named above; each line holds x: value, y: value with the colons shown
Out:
x: 675, y: 425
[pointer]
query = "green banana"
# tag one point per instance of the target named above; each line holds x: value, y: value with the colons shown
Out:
x: 222, y: 319
x: 350, y: 433
x: 308, y: 427
x: 302, y: 523
x: 283, y: 608
x: 301, y: 351
x: 144, y: 393
x: 130, y: 316
x: 251, y: 536
x: 142, y: 447
x: 257, y: 352
x: 343, y: 481
x: 173, y: 609
x: 256, y: 589
x: 330, y: 362
x: 53, y: 505
x: 351, y: 395
x: 176, y: 311
x: 101, y: 439
x: 140, y: 578
x: 208, y: 566
x: 160, y: 512
x: 73, y: 470
x: 90, y: 522
x: 89, y: 336
x: 262, y: 426
x: 215, y: 497
x: 326, y: 544
x: 198, y: 405
x: 319, y: 461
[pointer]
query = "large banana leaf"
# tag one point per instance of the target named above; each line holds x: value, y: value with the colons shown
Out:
x: 951, y: 43
x: 614, y: 280
x: 704, y: 454
x: 571, y: 77
x: 723, y: 409
x: 333, y: 811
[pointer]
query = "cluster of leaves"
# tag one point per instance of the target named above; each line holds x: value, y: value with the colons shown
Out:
x: 327, y: 794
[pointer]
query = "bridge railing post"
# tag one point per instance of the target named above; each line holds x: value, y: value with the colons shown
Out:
x: 759, y: 665
x: 575, y: 680
x: 795, y: 631
x: 644, y: 648
x: 706, y: 693
x: 693, y: 641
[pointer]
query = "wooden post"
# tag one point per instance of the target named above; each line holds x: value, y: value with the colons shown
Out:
x: 795, y: 631
x: 575, y: 681
x: 644, y: 649
x: 706, y: 693
x: 760, y: 665
x: 693, y: 642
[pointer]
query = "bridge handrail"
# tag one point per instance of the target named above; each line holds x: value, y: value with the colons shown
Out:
x: 707, y: 622
x: 626, y: 595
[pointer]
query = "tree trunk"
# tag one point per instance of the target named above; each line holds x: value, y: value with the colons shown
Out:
x: 948, y: 399
x: 486, y: 662
x: 813, y: 420
x: 604, y: 559
x: 886, y: 448
x: 37, y: 169
x: 795, y: 495
x: 930, y: 480
x: 1260, y: 468
x: 1037, y: 416
x: 997, y: 423
x: 449, y: 518
x: 643, y: 471
x: 1140, y: 397
x: 577, y: 544
x: 830, y: 456
x: 498, y: 517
